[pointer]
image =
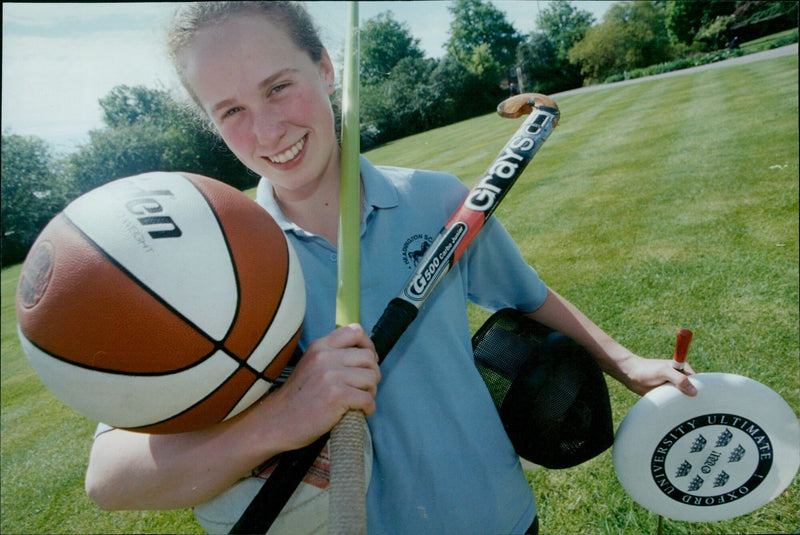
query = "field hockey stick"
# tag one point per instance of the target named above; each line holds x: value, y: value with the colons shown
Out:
x: 457, y: 233
x: 470, y: 217
x: 347, y: 489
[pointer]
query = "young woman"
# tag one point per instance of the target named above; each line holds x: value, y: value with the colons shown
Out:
x: 442, y: 462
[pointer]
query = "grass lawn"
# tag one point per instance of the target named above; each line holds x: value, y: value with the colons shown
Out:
x: 665, y: 204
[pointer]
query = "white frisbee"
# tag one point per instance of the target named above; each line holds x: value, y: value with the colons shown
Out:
x: 723, y: 453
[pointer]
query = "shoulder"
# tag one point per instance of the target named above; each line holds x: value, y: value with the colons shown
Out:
x: 421, y: 185
x: 421, y: 179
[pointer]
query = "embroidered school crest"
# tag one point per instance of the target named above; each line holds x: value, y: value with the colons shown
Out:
x: 414, y: 249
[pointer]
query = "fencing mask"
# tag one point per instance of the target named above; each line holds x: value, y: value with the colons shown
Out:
x: 550, y: 393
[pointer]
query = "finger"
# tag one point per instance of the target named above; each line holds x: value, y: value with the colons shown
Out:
x: 363, y: 401
x: 681, y: 381
x: 360, y: 358
x: 362, y: 379
x: 688, y: 370
x: 352, y: 335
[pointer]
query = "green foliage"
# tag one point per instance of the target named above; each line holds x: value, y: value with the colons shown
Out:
x: 383, y: 43
x: 714, y: 35
x: 148, y: 130
x: 685, y: 18
x: 564, y: 25
x: 541, y: 69
x: 126, y: 106
x: 713, y: 24
x: 403, y: 93
x: 481, y: 63
x: 632, y: 35
x: 34, y: 189
x: 477, y: 23
x: 751, y: 12
x: 460, y: 94
x: 543, y: 55
x: 399, y: 103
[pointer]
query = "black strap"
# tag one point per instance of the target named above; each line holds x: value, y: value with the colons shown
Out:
x: 276, y: 491
x: 293, y: 465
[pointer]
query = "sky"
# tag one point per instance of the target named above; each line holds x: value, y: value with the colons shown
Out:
x: 59, y: 59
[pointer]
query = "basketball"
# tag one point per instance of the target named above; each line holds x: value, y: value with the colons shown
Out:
x: 160, y: 303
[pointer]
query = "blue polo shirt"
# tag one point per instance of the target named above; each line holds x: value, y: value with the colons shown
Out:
x: 442, y: 461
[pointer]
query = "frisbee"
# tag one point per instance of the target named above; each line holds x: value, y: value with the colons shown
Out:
x: 723, y: 453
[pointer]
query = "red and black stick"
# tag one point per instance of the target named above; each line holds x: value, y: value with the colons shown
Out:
x: 469, y: 218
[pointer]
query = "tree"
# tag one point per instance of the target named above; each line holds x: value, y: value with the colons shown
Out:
x: 147, y: 130
x: 458, y: 93
x: 124, y: 106
x: 564, y: 25
x: 645, y: 25
x: 714, y: 35
x: 34, y: 190
x: 383, y: 43
x: 482, y: 63
x: 476, y: 23
x: 400, y: 105
x: 540, y: 66
x: 544, y: 56
x: 685, y: 18
x: 632, y: 35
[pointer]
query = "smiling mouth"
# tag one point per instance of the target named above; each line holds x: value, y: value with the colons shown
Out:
x: 290, y: 153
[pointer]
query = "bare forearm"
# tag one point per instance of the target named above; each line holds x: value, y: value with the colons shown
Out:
x: 638, y: 374
x: 138, y: 471
x: 338, y: 372
x: 561, y: 315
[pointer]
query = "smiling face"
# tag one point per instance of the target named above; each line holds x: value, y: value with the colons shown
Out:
x: 268, y: 99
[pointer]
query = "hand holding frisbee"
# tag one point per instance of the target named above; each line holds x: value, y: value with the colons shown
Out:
x: 725, y: 452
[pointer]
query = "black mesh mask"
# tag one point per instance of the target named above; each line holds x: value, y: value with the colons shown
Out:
x: 550, y: 393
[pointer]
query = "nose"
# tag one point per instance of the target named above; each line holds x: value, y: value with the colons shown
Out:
x: 268, y: 127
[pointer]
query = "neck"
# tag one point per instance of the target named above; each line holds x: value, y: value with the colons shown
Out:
x: 319, y: 214
x: 316, y: 211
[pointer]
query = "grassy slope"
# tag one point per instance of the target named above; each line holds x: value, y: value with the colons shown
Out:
x: 653, y: 206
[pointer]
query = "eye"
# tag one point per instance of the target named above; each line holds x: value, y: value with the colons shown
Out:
x: 278, y: 88
x: 231, y: 112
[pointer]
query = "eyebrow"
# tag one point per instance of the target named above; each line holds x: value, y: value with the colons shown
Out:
x: 269, y: 80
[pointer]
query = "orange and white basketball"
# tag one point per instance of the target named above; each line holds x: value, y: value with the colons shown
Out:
x: 161, y: 303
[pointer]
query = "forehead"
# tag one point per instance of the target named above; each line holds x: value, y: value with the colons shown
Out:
x: 242, y: 49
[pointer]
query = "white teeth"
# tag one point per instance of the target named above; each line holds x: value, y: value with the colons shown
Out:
x: 289, y: 154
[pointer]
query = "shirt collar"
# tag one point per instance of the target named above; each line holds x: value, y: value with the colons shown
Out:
x: 378, y: 193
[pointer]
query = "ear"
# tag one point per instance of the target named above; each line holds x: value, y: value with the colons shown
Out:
x: 326, y: 71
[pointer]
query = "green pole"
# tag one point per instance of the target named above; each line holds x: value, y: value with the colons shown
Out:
x: 347, y: 297
x: 347, y: 490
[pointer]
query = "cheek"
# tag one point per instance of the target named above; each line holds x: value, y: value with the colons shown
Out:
x: 237, y: 137
x: 311, y: 107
